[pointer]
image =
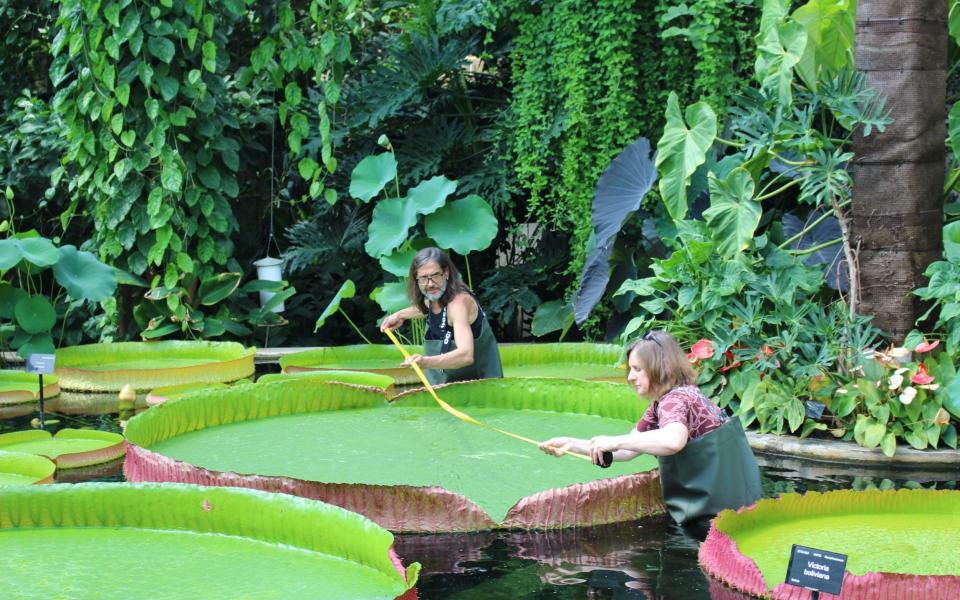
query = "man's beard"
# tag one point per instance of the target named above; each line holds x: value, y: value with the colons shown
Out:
x: 433, y: 297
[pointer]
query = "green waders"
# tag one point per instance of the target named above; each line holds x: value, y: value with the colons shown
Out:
x: 486, y: 355
x: 713, y: 472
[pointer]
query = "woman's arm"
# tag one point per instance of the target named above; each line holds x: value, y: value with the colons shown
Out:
x: 559, y: 445
x: 667, y: 440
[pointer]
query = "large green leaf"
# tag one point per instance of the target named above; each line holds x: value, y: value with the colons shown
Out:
x: 38, y: 251
x: 392, y: 220
x: 733, y: 215
x: 391, y: 296
x: 40, y: 343
x: 682, y: 149
x: 25, y: 469
x: 463, y: 225
x: 371, y: 174
x: 398, y: 263
x: 9, y: 296
x: 555, y: 315
x: 83, y: 276
x: 431, y: 194
x: 35, y: 314
x: 951, y: 242
x: 216, y: 288
x: 830, y: 35
x: 10, y: 253
x: 777, y: 56
x: 347, y: 290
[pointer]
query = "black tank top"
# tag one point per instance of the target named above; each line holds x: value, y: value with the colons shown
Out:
x: 437, y: 325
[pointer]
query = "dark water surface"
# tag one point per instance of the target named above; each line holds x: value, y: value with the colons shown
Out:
x: 648, y: 559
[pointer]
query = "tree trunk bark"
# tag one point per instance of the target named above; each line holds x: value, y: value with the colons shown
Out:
x: 897, y: 210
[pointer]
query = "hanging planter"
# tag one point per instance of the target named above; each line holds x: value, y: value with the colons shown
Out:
x: 269, y: 269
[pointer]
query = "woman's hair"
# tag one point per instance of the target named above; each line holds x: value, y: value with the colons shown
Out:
x: 665, y: 363
x: 455, y: 285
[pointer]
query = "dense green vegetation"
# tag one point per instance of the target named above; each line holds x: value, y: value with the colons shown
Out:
x: 167, y: 144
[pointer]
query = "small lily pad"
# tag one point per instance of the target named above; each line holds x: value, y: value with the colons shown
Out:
x: 68, y: 448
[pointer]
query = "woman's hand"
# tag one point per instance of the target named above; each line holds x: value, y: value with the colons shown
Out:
x: 600, y: 444
x: 557, y: 446
x: 392, y: 321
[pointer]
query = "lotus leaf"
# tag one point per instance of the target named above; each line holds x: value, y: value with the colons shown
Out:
x: 19, y: 468
x: 371, y: 174
x: 392, y: 296
x: 347, y: 290
x: 178, y: 539
x: 392, y: 220
x: 40, y: 343
x: 9, y: 296
x: 83, y: 276
x: 69, y: 448
x: 38, y: 251
x: 409, y: 471
x: 35, y: 314
x: 428, y: 196
x: 463, y: 225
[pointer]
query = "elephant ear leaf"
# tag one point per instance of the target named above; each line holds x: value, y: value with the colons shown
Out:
x: 371, y: 174
x: 733, y: 215
x: 682, y: 149
x: 463, y: 225
x: 83, y: 275
x: 618, y: 194
x: 347, y: 290
x: 777, y: 56
x: 830, y: 37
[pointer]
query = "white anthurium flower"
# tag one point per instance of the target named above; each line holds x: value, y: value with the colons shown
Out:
x: 895, y: 381
x: 899, y: 352
x: 908, y: 394
x: 931, y: 386
x: 901, y: 370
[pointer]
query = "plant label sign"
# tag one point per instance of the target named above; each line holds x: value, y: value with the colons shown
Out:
x: 817, y: 570
x: 41, y: 364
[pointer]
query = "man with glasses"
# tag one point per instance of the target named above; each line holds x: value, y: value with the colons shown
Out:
x: 459, y: 344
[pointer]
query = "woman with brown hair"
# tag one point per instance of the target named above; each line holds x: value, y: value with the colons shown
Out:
x: 459, y: 344
x: 706, y: 464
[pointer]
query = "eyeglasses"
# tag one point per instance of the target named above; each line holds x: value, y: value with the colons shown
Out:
x: 648, y: 337
x: 434, y: 278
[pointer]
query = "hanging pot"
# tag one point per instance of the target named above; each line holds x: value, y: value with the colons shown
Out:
x: 269, y: 269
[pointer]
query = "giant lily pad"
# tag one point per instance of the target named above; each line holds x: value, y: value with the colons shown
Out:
x: 147, y: 365
x: 162, y: 394
x: 19, y: 468
x: 373, y: 380
x: 573, y: 360
x: 889, y: 537
x: 178, y: 539
x: 408, y: 465
x: 17, y: 387
x: 69, y: 448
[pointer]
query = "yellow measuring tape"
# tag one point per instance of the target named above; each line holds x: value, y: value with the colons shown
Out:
x: 462, y: 415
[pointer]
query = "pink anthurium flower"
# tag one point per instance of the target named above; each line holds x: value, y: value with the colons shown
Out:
x: 926, y: 346
x: 922, y: 377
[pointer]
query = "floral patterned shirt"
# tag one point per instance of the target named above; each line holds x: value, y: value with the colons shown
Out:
x: 684, y: 404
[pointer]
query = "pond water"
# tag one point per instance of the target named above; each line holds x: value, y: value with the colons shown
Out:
x: 649, y: 559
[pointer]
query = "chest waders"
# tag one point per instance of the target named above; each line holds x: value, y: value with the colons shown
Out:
x: 713, y: 472
x: 486, y: 355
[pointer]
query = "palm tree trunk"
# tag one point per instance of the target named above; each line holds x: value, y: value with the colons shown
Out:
x: 897, y: 210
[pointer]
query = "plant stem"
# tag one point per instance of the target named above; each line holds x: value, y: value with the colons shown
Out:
x: 813, y: 249
x: 853, y: 275
x: 729, y: 142
x: 354, y: 325
x: 782, y: 188
x: 469, y: 278
x: 809, y: 227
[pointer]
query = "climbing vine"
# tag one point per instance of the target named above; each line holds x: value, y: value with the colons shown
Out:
x: 150, y: 94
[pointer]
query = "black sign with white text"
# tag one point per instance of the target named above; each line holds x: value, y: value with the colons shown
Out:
x: 818, y: 570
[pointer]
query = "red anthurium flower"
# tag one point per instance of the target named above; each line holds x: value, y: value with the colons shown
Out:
x: 702, y: 349
x: 731, y: 364
x: 922, y: 377
x: 766, y: 349
x: 926, y: 347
